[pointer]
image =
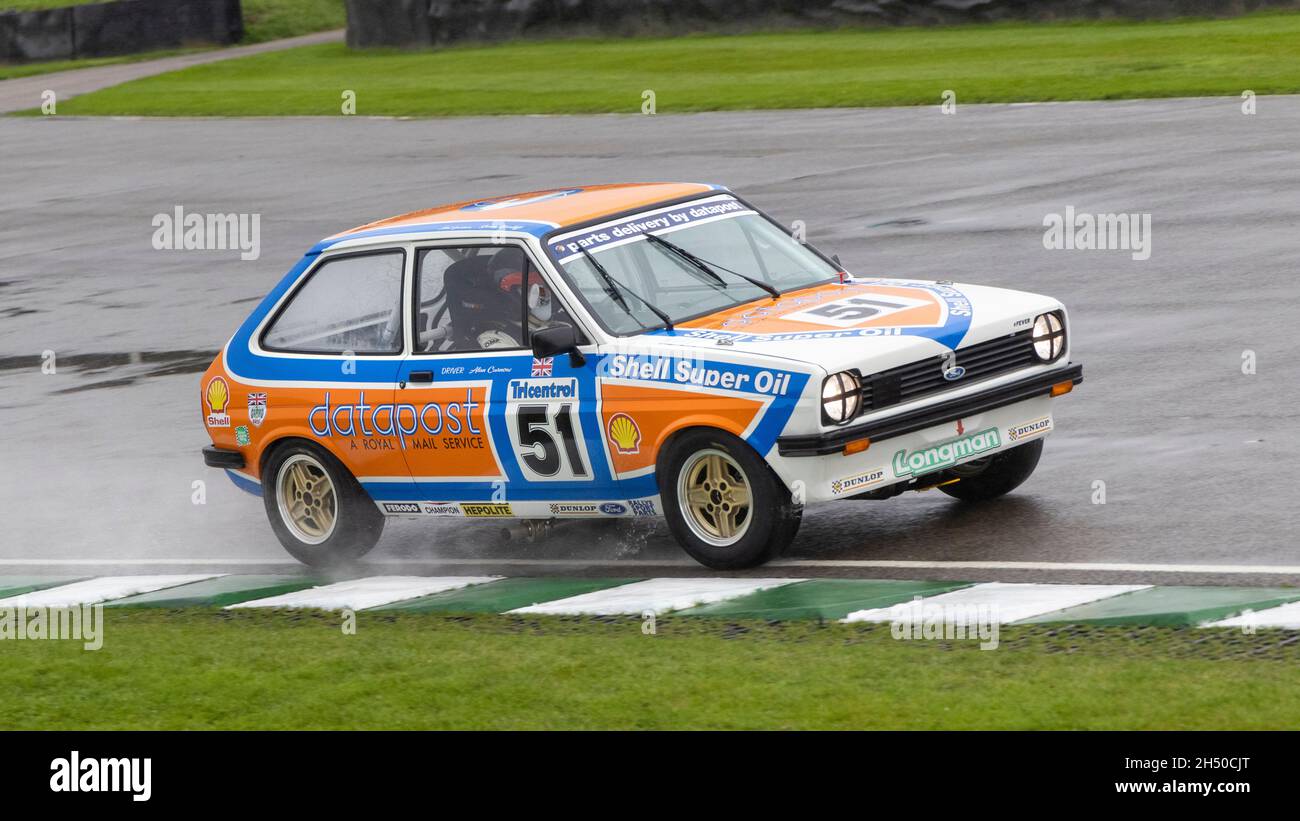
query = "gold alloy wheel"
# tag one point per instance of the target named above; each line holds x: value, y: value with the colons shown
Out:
x: 715, y: 498
x: 307, y: 499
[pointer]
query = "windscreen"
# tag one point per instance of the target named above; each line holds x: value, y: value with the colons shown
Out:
x: 712, y: 250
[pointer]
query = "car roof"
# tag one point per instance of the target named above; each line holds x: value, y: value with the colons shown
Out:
x: 559, y: 206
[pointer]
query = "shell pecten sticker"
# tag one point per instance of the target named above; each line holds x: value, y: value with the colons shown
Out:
x: 218, y: 397
x: 624, y: 433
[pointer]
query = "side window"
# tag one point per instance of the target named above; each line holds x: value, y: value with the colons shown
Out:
x: 349, y: 304
x: 475, y: 298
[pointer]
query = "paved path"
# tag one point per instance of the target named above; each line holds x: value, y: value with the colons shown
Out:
x: 25, y: 92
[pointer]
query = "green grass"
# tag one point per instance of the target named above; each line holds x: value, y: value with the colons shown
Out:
x: 263, y: 20
x: 276, y: 19
x: 995, y: 63
x: 207, y: 670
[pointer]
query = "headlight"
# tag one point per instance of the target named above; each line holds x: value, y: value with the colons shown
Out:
x: 841, y: 396
x: 1049, y: 336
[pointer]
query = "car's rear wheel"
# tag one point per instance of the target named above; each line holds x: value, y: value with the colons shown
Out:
x: 995, y: 475
x: 723, y: 503
x: 317, y: 508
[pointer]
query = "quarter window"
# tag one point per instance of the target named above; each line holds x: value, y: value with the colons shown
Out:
x: 350, y: 304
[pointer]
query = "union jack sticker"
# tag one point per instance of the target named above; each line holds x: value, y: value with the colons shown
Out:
x: 542, y: 367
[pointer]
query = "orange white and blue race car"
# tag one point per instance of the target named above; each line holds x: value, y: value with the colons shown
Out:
x: 619, y: 351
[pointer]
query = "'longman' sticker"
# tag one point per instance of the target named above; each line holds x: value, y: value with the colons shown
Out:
x: 938, y: 457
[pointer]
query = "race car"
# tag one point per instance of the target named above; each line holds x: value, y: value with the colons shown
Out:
x: 636, y: 350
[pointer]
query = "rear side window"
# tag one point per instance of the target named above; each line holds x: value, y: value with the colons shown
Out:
x: 349, y: 304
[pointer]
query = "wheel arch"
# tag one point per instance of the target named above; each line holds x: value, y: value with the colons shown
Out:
x: 287, y: 438
x: 668, y: 442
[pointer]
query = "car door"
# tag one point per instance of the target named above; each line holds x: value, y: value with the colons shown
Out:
x: 500, y: 432
x: 326, y: 366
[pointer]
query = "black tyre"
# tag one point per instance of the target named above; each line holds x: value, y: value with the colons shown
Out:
x: 317, y: 508
x: 723, y: 503
x: 998, y: 474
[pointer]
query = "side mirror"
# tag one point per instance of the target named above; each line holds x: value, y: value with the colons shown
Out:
x: 558, y: 339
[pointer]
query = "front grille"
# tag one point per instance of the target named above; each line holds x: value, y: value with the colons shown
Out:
x: 924, y: 377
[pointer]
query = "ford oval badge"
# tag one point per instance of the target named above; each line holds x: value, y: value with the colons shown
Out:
x: 954, y: 373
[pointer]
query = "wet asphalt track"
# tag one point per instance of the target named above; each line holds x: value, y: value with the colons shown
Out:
x: 98, y: 460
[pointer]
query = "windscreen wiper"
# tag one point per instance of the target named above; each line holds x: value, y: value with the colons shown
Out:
x: 612, y: 285
x: 682, y: 254
x: 708, y: 267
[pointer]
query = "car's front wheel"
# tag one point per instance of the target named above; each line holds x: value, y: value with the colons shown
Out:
x: 723, y: 503
x: 994, y: 475
x: 317, y: 508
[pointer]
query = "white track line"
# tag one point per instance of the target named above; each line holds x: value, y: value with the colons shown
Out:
x: 360, y: 594
x: 102, y: 589
x: 1105, y: 567
x: 1286, y: 615
x: 1001, y: 601
x: 657, y: 595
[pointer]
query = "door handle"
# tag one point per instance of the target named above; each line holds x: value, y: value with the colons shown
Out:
x: 424, y: 377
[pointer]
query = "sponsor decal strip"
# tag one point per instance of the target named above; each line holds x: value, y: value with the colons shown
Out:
x: 570, y: 245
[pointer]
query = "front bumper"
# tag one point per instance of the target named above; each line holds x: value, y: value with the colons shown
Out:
x: 820, y: 444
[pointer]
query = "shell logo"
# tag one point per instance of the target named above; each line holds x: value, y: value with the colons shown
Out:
x: 624, y: 433
x: 218, y: 396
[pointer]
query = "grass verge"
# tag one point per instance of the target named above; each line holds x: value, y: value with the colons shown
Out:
x: 200, y: 669
x: 991, y: 63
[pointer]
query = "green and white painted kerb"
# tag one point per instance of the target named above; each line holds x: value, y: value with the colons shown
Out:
x: 848, y: 600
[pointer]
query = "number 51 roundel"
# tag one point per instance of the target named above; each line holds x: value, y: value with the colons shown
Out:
x: 542, y: 416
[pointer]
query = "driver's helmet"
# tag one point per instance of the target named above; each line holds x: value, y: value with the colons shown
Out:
x: 507, y: 271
